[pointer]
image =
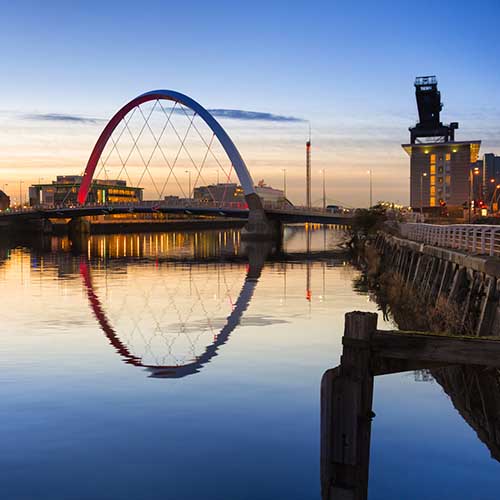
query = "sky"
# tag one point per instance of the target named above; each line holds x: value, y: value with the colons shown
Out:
x: 347, y: 68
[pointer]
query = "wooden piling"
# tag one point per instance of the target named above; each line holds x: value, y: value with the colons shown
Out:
x: 346, y: 413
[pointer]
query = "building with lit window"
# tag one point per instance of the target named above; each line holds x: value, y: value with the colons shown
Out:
x: 441, y: 172
x: 64, y: 190
x: 233, y: 193
x: 441, y: 169
x: 219, y: 193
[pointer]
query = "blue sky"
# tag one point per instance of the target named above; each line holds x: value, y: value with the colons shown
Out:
x: 348, y: 67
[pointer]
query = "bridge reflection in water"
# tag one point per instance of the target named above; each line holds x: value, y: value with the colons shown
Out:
x: 256, y: 255
x: 170, y: 316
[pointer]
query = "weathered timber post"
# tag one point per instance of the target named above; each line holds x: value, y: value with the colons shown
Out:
x: 346, y: 413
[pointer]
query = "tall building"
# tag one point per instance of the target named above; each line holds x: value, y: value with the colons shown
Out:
x: 63, y: 191
x: 489, y: 167
x: 491, y: 164
x: 440, y: 167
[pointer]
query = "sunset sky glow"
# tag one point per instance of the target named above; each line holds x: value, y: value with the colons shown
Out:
x: 345, y: 67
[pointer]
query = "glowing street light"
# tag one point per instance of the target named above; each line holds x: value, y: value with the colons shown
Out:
x: 424, y: 174
x: 189, y: 177
x: 472, y: 172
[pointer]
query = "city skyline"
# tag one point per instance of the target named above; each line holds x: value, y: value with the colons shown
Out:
x: 359, y: 99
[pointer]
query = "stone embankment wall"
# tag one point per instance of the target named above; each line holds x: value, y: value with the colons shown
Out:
x: 469, y: 283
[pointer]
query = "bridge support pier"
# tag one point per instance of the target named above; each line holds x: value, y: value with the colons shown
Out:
x: 259, y: 227
x: 79, y: 226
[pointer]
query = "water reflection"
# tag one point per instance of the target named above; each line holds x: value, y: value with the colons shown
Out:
x: 475, y: 393
x: 256, y: 254
x: 347, y: 396
x: 167, y: 302
x: 181, y: 244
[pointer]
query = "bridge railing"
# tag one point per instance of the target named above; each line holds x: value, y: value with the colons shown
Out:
x: 182, y: 204
x: 470, y: 238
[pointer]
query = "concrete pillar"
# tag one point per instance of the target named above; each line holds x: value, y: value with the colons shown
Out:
x: 79, y: 226
x: 260, y: 228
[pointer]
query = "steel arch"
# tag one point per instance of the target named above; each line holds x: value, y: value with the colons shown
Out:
x: 232, y: 152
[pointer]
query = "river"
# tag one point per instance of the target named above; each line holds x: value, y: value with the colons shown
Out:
x: 188, y: 365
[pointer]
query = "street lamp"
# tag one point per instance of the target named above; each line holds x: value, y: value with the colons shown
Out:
x: 472, y: 172
x: 424, y: 174
x: 189, y: 177
x: 324, y: 190
x: 21, y: 193
x: 284, y: 182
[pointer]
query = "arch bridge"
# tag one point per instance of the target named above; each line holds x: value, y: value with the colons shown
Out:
x: 160, y: 136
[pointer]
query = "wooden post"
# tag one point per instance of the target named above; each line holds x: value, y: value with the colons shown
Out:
x: 346, y: 414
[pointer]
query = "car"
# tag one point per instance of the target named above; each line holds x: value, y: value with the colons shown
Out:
x: 335, y: 209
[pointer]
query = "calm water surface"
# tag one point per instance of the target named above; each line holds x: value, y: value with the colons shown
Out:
x: 172, y: 366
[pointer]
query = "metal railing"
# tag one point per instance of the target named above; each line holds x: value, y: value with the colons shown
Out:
x: 182, y: 204
x: 470, y: 238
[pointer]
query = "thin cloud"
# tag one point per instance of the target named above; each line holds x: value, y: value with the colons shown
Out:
x: 236, y: 114
x: 241, y: 114
x: 60, y: 117
x: 231, y: 114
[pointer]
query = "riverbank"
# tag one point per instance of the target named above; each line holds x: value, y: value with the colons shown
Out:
x: 433, y: 289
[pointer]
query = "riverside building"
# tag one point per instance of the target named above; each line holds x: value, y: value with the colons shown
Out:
x: 441, y: 169
x: 64, y: 190
x: 233, y: 193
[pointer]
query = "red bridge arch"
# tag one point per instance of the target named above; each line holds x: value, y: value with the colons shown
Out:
x: 232, y: 152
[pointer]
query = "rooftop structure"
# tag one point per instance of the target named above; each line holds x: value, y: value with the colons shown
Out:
x: 430, y: 128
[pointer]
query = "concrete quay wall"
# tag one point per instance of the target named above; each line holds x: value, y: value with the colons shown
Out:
x: 471, y: 282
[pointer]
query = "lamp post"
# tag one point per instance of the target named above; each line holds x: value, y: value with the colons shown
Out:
x: 472, y: 172
x: 189, y: 177
x: 324, y: 189
x: 21, y: 193
x: 284, y: 182
x: 424, y: 174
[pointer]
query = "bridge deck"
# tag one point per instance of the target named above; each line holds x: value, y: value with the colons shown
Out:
x: 291, y: 215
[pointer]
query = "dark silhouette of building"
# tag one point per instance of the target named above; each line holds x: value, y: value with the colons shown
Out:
x: 4, y: 201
